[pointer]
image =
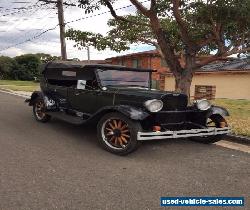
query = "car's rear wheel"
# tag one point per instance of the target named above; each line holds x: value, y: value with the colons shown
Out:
x: 118, y: 134
x: 214, y: 121
x: 39, y: 109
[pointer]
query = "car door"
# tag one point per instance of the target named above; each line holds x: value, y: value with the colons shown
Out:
x: 59, y: 93
x: 82, y: 98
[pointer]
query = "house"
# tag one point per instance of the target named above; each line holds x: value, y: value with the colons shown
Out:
x: 227, y: 79
x: 230, y: 79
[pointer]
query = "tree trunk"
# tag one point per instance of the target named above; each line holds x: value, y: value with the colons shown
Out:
x: 183, y: 76
x: 183, y: 80
x: 183, y: 83
x: 167, y: 50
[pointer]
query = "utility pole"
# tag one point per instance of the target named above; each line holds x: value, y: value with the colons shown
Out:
x: 88, y: 54
x: 62, y: 29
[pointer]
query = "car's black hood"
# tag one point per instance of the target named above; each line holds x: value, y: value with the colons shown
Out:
x: 136, y: 96
x: 143, y: 92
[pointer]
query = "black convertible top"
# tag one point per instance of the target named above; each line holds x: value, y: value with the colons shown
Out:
x: 84, y: 65
x: 70, y: 70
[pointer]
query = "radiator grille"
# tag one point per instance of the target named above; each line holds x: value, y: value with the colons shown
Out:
x: 174, y: 102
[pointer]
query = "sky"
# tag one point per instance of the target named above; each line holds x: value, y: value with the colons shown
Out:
x: 19, y: 25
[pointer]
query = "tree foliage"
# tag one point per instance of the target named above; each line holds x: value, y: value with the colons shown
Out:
x: 45, y: 58
x: 28, y: 67
x: 7, y: 66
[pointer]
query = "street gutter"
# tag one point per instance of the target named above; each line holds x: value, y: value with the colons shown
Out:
x: 238, y: 138
x: 23, y: 94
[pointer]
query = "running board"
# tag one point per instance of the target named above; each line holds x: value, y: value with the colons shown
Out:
x: 67, y: 117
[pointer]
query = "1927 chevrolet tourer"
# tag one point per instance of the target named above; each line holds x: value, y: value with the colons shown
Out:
x: 121, y: 102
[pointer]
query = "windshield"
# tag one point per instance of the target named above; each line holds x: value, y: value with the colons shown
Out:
x: 124, y: 78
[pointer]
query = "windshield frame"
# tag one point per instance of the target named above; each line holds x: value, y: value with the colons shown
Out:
x: 100, y: 82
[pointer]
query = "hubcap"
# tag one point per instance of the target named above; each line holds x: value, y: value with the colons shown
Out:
x: 116, y: 133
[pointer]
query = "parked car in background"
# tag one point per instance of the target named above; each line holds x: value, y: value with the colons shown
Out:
x: 120, y: 102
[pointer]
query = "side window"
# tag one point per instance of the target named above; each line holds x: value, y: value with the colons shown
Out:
x: 62, y: 83
x: 64, y: 78
x: 87, y: 80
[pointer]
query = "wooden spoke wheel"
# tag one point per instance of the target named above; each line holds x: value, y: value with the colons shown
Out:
x: 117, y: 133
x: 39, y: 111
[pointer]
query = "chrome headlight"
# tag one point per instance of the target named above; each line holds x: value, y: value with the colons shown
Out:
x: 153, y: 105
x: 203, y: 104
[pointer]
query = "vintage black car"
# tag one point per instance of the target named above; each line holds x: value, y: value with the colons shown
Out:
x: 123, y: 106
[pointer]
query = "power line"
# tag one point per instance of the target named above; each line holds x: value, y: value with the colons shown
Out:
x: 102, y: 13
x: 53, y: 28
x: 39, y: 29
x: 30, y: 39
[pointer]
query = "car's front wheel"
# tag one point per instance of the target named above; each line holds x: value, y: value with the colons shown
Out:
x: 39, y: 109
x: 118, y: 134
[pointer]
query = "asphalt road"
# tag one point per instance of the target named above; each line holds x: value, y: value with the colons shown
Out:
x: 60, y: 166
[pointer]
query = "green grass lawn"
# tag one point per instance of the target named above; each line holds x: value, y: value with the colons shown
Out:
x: 239, y: 111
x: 19, y: 85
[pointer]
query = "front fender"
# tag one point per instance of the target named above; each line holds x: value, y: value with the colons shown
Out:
x: 218, y: 110
x: 132, y: 112
x: 34, y: 96
x: 129, y: 111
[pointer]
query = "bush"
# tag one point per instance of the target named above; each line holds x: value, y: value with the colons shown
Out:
x: 7, y: 65
x: 28, y: 67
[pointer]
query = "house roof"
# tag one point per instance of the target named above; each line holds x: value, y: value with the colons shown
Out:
x: 228, y: 65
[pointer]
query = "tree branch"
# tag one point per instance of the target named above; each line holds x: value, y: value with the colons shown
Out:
x: 183, y: 27
x: 220, y: 57
x: 147, y: 41
x: 121, y: 18
x: 153, y: 5
x: 236, y: 50
x: 141, y: 8
x: 204, y: 42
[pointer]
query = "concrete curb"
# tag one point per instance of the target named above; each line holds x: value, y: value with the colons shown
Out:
x: 238, y: 139
x: 16, y: 93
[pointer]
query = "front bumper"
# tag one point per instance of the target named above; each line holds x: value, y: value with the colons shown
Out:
x: 141, y: 136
